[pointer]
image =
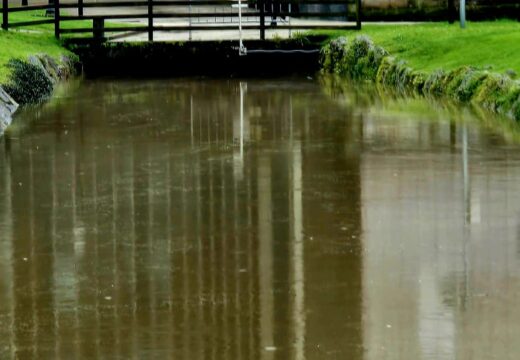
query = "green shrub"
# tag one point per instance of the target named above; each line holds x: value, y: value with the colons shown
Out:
x: 418, y: 81
x: 510, y: 103
x: 469, y: 84
x: 333, y: 54
x: 363, y: 58
x: 515, y: 110
x: 434, y: 84
x: 28, y: 83
x: 492, y: 94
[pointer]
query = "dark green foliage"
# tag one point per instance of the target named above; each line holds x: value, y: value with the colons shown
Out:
x: 359, y: 59
x: 28, y: 83
x: 434, y: 84
x: 464, y: 82
x: 515, y: 109
x: 363, y: 58
x: 493, y: 92
x: 397, y: 74
x: 333, y: 54
x: 419, y: 79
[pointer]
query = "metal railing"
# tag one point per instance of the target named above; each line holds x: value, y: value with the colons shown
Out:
x: 261, y: 15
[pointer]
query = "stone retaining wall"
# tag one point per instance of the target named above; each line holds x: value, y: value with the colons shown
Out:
x: 7, y: 108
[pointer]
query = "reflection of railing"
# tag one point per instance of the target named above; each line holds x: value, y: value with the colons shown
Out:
x: 199, y: 15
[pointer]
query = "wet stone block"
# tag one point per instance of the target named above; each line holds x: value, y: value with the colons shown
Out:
x: 7, y: 108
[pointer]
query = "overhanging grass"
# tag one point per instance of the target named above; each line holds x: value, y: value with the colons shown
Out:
x: 430, y: 46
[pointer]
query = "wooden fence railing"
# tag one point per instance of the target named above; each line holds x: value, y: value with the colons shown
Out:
x: 263, y: 15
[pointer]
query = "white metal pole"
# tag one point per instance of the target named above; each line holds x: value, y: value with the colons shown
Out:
x: 465, y: 175
x: 241, y: 45
x: 462, y: 11
x: 190, y: 38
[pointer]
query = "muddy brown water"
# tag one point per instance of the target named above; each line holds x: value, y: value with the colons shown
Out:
x: 262, y: 219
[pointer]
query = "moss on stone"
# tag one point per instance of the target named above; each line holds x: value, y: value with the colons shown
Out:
x: 28, y: 83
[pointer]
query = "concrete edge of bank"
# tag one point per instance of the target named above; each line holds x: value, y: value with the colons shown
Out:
x: 360, y: 59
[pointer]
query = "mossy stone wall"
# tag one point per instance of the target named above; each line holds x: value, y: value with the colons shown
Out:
x: 361, y: 59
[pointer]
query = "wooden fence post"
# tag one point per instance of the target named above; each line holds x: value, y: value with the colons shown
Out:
x: 358, y: 14
x: 57, y: 19
x: 5, y: 14
x: 262, y: 19
x: 150, y: 20
x: 452, y: 11
x: 98, y: 29
x: 80, y: 7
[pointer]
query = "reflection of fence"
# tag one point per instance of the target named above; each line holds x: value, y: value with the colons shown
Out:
x: 182, y: 15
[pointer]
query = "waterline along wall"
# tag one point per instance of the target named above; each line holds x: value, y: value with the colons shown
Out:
x: 33, y: 81
x: 208, y: 58
x: 361, y: 59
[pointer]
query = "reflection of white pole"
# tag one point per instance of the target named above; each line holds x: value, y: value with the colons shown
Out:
x: 467, y: 210
x: 265, y: 256
x: 290, y: 119
x: 298, y: 254
x: 465, y: 175
x: 191, y: 119
x: 239, y: 136
x: 242, y: 86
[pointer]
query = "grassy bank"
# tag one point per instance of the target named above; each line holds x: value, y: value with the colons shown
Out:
x: 431, y: 46
x: 477, y: 66
x: 19, y: 43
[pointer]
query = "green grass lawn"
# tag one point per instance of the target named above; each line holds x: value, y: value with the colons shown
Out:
x: 430, y: 46
x: 29, y: 40
x: 426, y: 46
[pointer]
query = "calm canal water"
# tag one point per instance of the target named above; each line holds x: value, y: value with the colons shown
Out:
x: 268, y: 219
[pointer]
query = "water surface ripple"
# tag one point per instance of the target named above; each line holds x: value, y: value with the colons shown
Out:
x: 262, y: 219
